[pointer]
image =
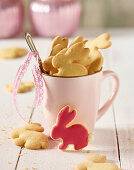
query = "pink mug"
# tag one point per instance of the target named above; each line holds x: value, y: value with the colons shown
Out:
x: 80, y: 93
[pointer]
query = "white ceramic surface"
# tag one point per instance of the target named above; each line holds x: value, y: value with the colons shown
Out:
x: 80, y: 93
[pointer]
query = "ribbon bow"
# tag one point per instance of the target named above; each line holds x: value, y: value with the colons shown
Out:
x: 38, y: 80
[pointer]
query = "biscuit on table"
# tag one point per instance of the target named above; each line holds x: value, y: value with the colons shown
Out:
x: 23, y: 87
x: 96, y: 162
x: 30, y: 136
x: 12, y: 52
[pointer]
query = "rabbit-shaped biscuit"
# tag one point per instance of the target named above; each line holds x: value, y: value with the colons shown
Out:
x: 30, y: 136
x: 58, y: 45
x: 67, y: 64
x: 23, y: 87
x: 76, y: 134
x: 96, y: 162
x: 60, y: 40
x: 12, y: 52
x: 100, y: 42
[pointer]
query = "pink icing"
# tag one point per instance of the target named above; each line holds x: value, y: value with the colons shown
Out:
x: 76, y: 134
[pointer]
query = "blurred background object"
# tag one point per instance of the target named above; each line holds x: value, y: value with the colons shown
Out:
x: 98, y: 14
x: 50, y: 18
x: 11, y: 18
x: 107, y: 13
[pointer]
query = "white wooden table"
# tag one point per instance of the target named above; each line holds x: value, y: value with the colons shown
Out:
x: 112, y: 130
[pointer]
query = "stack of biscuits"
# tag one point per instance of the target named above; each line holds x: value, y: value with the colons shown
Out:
x: 81, y: 58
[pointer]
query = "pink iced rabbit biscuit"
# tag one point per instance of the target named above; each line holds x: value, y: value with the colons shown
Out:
x: 76, y: 134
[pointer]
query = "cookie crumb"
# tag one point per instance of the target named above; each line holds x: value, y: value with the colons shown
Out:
x: 88, y: 151
x: 9, y: 162
x: 33, y: 168
x: 130, y: 139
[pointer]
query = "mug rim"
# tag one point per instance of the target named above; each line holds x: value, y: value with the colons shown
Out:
x: 91, y: 75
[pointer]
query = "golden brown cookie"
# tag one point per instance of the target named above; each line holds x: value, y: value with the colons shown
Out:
x: 67, y: 63
x: 101, y: 42
x: 48, y: 67
x: 12, y: 52
x: 81, y: 55
x: 58, y: 45
x: 30, y: 136
x: 96, y: 162
x: 95, y: 66
x: 23, y: 87
x: 60, y: 40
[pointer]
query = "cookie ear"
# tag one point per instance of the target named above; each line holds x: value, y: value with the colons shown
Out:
x: 76, y: 40
x: 65, y: 116
x: 15, y: 133
x: 34, y: 127
x: 57, y: 48
x: 102, y: 41
x: 60, y: 40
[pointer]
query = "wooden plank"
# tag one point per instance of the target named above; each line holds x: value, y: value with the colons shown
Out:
x: 52, y: 159
x: 122, y: 62
x: 104, y: 142
x: 8, y: 116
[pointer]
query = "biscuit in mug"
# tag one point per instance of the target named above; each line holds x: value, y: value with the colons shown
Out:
x: 95, y: 66
x: 58, y: 45
x: 60, y: 40
x: 67, y: 63
x: 101, y: 42
x: 92, y: 61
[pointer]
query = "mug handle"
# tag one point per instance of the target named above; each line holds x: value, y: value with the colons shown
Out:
x: 115, y: 89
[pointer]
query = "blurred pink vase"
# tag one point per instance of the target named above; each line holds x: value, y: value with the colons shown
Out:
x: 55, y: 17
x: 11, y: 18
